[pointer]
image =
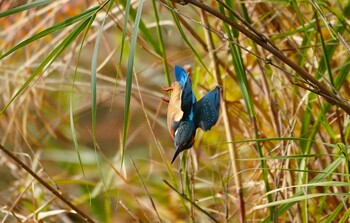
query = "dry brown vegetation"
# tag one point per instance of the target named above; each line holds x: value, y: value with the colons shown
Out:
x: 81, y: 107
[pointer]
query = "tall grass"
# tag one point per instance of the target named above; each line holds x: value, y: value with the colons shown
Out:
x: 81, y: 110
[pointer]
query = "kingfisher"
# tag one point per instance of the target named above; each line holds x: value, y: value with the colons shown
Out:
x: 181, y: 100
x: 185, y: 114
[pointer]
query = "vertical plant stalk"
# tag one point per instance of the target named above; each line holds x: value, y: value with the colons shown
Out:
x: 129, y: 71
x: 183, y: 195
x: 161, y: 45
x: 228, y: 130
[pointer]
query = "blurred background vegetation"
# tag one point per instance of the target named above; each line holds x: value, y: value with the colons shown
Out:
x: 81, y: 106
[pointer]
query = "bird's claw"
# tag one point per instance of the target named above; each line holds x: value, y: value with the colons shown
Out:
x: 168, y: 88
x: 165, y: 99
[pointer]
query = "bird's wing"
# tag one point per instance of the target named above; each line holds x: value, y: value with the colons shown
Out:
x: 206, y: 110
x: 187, y: 96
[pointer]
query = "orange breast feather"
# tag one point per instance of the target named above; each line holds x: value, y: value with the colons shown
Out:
x: 174, y: 108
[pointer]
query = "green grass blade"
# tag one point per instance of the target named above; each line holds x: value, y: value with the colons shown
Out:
x: 71, y: 113
x: 24, y: 7
x: 94, y: 90
x: 161, y: 44
x: 184, y: 37
x: 49, y: 60
x: 129, y: 73
x: 52, y: 29
x: 324, y: 50
x: 295, y: 199
x: 345, y: 217
x: 320, y: 177
x: 335, y: 213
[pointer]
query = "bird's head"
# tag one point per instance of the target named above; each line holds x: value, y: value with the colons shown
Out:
x: 184, y: 137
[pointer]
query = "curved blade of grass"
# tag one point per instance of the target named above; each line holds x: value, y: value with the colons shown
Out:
x: 24, y: 7
x: 129, y: 72
x: 295, y: 199
x: 94, y: 90
x: 345, y: 217
x: 320, y: 177
x: 184, y: 37
x: 71, y: 113
x: 49, y: 60
x: 313, y: 185
x: 54, y: 28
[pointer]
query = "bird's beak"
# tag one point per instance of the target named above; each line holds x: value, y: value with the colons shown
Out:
x: 177, y: 152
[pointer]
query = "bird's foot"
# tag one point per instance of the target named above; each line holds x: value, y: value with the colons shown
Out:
x: 165, y: 99
x: 168, y: 88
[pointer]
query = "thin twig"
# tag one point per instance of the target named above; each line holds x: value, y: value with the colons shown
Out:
x: 192, y: 202
x: 228, y: 129
x: 57, y: 193
x: 147, y: 192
